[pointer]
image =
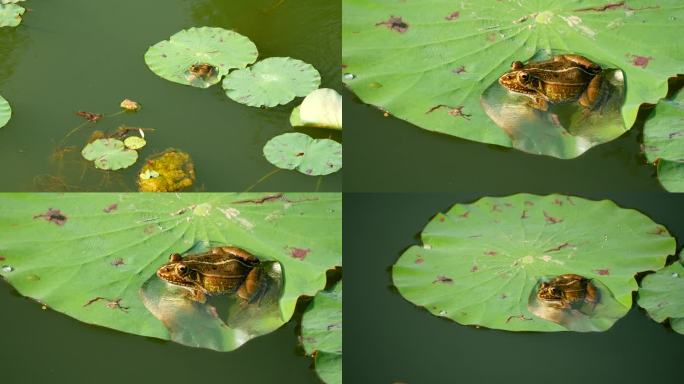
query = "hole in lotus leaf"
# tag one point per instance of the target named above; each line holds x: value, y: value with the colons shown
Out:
x: 10, y: 14
x: 309, y: 156
x: 109, y: 154
x: 270, y: 82
x: 575, y: 302
x: 5, y: 112
x: 169, y: 171
x: 242, y: 294
x: 200, y: 56
x: 559, y: 107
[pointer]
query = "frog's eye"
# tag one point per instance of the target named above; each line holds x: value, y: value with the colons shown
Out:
x: 524, y: 76
x: 181, y: 269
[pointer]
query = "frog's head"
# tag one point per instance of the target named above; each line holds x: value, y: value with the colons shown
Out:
x: 549, y: 292
x: 177, y: 272
x: 520, y: 80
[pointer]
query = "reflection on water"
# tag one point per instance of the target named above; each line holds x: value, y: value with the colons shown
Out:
x: 576, y: 303
x: 223, y: 322
x: 11, y: 41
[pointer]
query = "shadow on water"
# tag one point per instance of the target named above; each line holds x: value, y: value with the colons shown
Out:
x: 12, y: 40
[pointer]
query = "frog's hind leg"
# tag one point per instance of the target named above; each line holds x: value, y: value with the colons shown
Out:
x: 253, y: 288
x: 591, y: 97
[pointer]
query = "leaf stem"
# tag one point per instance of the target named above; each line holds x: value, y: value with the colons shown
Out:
x: 266, y: 176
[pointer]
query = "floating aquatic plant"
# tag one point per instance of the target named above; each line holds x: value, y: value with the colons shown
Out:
x: 321, y: 108
x: 664, y: 141
x: 322, y: 333
x: 484, y: 263
x: 662, y: 294
x: 309, y: 156
x: 109, y: 154
x: 5, y: 112
x: 169, y: 171
x: 200, y: 56
x: 130, y: 105
x: 10, y: 13
x: 272, y: 81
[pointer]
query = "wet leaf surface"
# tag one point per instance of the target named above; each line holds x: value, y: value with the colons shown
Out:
x: 220, y: 48
x: 664, y: 141
x: 309, y: 156
x: 662, y: 295
x: 5, y: 112
x: 272, y: 81
x: 482, y: 263
x: 322, y: 333
x: 430, y: 64
x: 89, y: 255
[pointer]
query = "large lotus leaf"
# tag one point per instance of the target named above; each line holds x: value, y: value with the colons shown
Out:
x: 5, y: 112
x: 662, y: 295
x: 481, y: 263
x: 273, y: 81
x: 88, y: 255
x: 109, y: 154
x: 309, y: 156
x: 10, y: 13
x: 664, y: 141
x: 429, y: 64
x: 322, y: 333
x: 223, y: 49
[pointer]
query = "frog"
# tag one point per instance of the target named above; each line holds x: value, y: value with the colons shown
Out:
x: 562, y: 79
x: 220, y: 270
x: 567, y: 291
x: 202, y: 71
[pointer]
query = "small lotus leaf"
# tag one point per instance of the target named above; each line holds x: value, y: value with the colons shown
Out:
x: 309, y: 156
x: 662, y: 294
x: 134, y: 142
x: 482, y: 263
x: 270, y: 82
x: 10, y: 14
x: 220, y: 48
x: 5, y: 112
x: 110, y: 154
x: 664, y: 141
x: 322, y: 333
x: 321, y: 108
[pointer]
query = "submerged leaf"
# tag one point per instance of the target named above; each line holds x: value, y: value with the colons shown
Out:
x: 114, y: 243
x: 322, y: 333
x: 169, y: 171
x: 109, y: 154
x: 5, y: 112
x: 662, y: 294
x: 664, y: 141
x: 272, y: 81
x: 200, y: 56
x: 485, y: 263
x: 309, y: 156
x: 430, y: 65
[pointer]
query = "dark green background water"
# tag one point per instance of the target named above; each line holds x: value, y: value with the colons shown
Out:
x: 386, y: 154
x: 404, y: 343
x: 73, y: 55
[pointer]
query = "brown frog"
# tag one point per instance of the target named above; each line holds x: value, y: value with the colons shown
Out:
x: 567, y: 291
x: 564, y: 78
x: 217, y: 271
x: 202, y: 71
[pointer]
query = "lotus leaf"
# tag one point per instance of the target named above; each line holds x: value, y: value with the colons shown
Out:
x: 321, y: 108
x: 134, y: 142
x: 109, y: 154
x: 664, y: 141
x: 10, y: 13
x: 309, y: 156
x: 272, y: 81
x: 169, y: 171
x: 322, y: 333
x: 89, y: 255
x: 5, y: 112
x: 430, y: 64
x: 221, y: 49
x: 481, y: 263
x: 662, y: 294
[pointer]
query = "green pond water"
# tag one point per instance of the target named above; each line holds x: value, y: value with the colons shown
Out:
x: 403, y: 343
x: 84, y: 55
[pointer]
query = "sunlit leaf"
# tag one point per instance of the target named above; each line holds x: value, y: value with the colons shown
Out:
x: 321, y: 108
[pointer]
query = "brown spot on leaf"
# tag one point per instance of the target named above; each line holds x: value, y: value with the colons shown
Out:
x: 491, y: 253
x: 395, y: 23
x: 111, y: 208
x: 518, y: 317
x: 53, y: 215
x: 474, y: 268
x: 2, y: 258
x: 496, y: 208
x: 274, y: 197
x: 640, y: 61
x: 613, y: 6
x: 659, y: 231
x: 528, y: 203
x: 118, y: 262
x: 492, y: 36
x: 150, y: 229
x: 464, y: 214
x: 419, y: 260
x: 503, y: 296
x: 550, y: 219
x: 452, y: 16
x: 558, y: 202
x: 452, y: 111
x: 558, y: 248
x: 299, y: 253
x: 443, y: 280
x: 459, y: 70
x: 603, y: 271
x: 524, y: 215
x: 441, y: 219
x: 111, y: 304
